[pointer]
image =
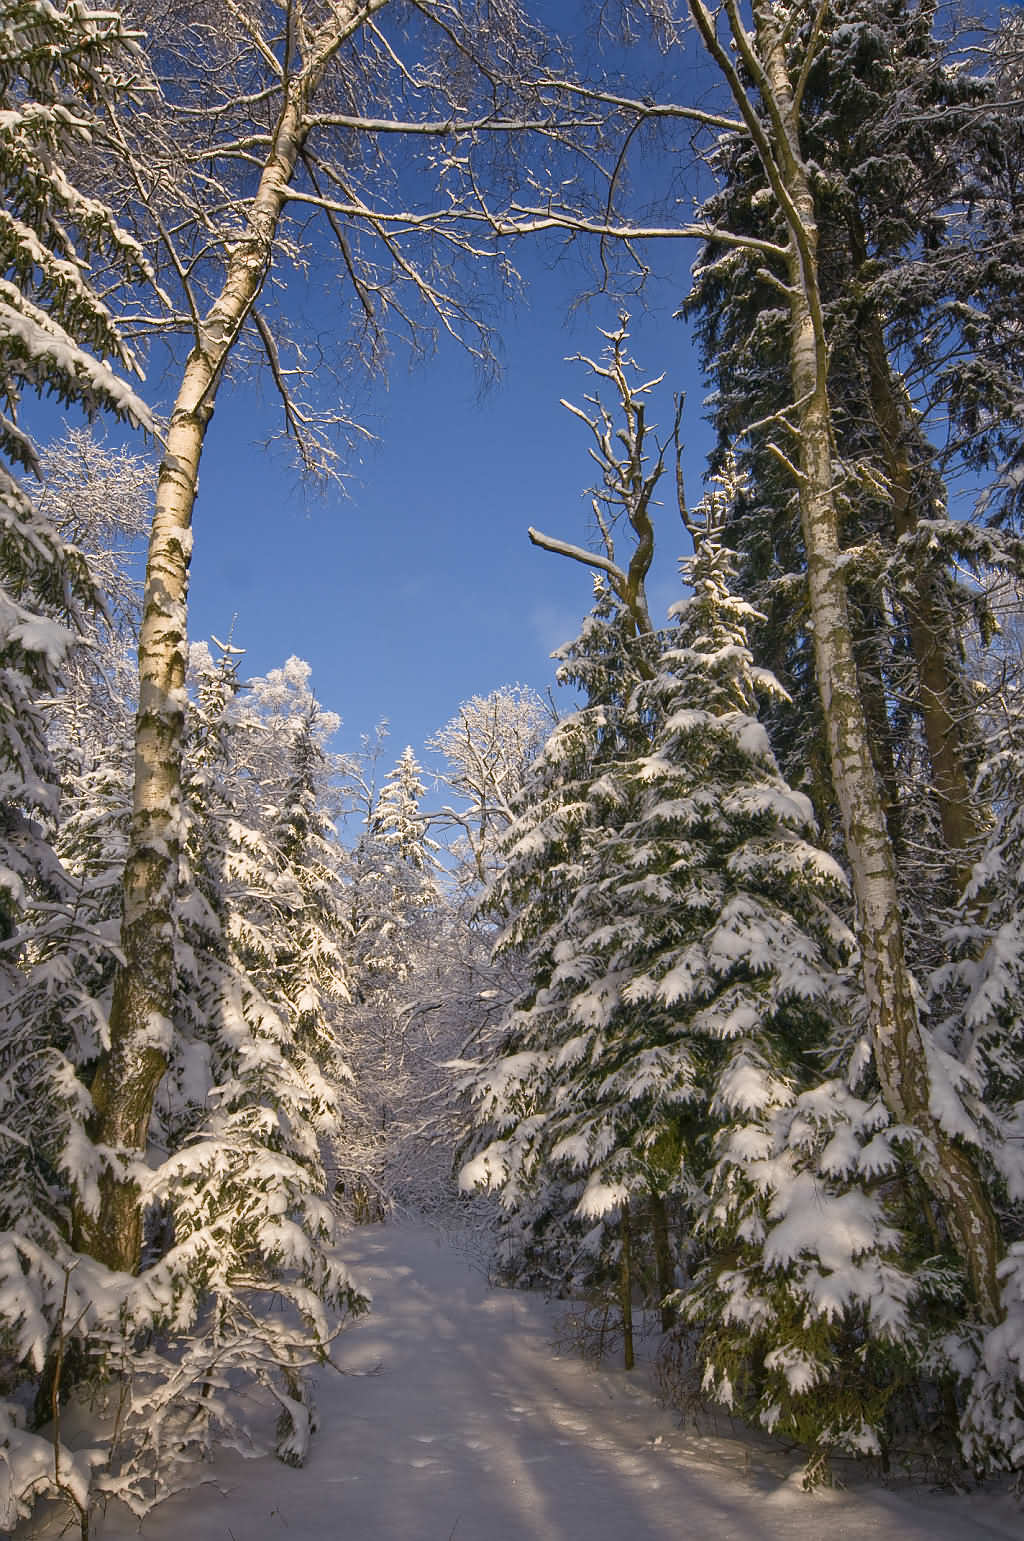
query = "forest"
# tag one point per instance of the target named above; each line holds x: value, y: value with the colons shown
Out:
x: 702, y: 1000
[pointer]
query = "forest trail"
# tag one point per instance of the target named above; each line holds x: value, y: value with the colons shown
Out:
x: 459, y: 1422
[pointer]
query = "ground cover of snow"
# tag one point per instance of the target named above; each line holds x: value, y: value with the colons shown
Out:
x: 458, y: 1421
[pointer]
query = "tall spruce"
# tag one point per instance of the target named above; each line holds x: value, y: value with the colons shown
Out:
x: 65, y: 265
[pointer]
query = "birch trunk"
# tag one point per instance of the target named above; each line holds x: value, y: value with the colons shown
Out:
x: 141, y: 1017
x: 948, y: 1169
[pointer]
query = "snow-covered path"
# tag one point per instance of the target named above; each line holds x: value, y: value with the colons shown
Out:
x: 470, y: 1429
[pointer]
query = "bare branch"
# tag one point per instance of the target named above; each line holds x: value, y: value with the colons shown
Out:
x: 652, y: 110
x: 603, y: 564
x: 447, y: 128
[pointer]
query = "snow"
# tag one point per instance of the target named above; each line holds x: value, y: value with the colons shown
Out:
x: 457, y: 1421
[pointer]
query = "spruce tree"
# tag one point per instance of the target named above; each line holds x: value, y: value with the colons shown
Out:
x: 569, y: 813
x: 396, y: 912
x: 802, y: 1297
x: 65, y: 265
x: 691, y: 1035
x: 251, y: 1094
x: 976, y: 1035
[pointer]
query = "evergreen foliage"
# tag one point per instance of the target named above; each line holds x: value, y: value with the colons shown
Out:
x: 395, y: 917
x: 976, y: 1050
x: 64, y: 261
x: 912, y: 284
x: 690, y: 1034
x: 677, y: 1089
x: 241, y: 1288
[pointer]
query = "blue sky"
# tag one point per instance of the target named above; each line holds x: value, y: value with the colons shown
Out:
x: 420, y: 587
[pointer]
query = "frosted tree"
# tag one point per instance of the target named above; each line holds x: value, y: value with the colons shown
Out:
x: 238, y: 1285
x: 242, y: 1232
x: 615, y: 650
x: 298, y: 804
x: 906, y: 365
x: 548, y: 861
x: 66, y: 264
x: 397, y: 912
x: 67, y: 925
x: 804, y: 1297
x: 396, y: 823
x: 975, y: 1038
x: 393, y: 882
x: 488, y: 747
x: 765, y: 61
x: 56, y: 336
x: 691, y: 1034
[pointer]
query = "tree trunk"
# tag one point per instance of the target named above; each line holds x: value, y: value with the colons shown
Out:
x: 949, y: 1171
x: 876, y: 710
x: 932, y: 641
x: 664, y: 1272
x: 626, y: 1290
x: 142, y: 1011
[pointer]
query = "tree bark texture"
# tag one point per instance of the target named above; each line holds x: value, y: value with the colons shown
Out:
x: 932, y: 641
x: 662, y: 1259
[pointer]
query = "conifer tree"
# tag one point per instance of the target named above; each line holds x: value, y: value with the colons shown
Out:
x: 691, y: 1031
x: 252, y: 1090
x: 397, y: 912
x: 550, y: 862
x: 976, y: 1036
x: 802, y: 1299
x: 64, y: 264
x: 767, y: 68
x: 615, y: 651
x: 309, y: 970
x: 239, y: 1284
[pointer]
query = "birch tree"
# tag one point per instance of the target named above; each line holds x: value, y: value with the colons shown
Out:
x: 273, y: 114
